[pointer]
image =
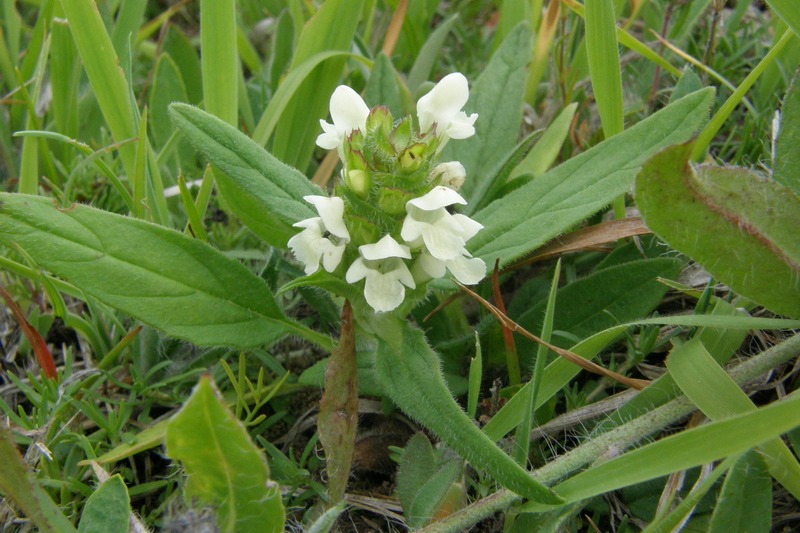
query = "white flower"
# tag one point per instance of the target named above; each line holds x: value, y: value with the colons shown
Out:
x: 450, y: 174
x: 443, y: 236
x: 442, y: 106
x: 349, y: 112
x: 323, y: 238
x: 385, y: 271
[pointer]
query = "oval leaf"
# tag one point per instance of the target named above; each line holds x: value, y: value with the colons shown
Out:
x: 224, y: 467
x: 159, y: 276
x: 740, y: 227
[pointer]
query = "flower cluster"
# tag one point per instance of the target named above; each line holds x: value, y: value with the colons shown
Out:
x: 389, y: 218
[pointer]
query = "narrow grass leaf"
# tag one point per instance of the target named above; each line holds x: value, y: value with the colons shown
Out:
x: 224, y: 468
x: 546, y: 150
x: 521, y: 222
x: 787, y: 10
x: 707, y: 385
x: 411, y: 376
x: 107, y: 509
x: 265, y: 193
x: 684, y: 450
x: 604, y: 67
x: 786, y: 164
x: 745, y: 503
x: 429, y: 52
x: 220, y: 63
x: 164, y: 278
x: 475, y: 376
x: 740, y: 227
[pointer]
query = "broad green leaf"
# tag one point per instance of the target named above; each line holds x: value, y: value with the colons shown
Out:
x: 707, y: 385
x: 220, y: 63
x: 411, y: 376
x: 786, y: 166
x: 681, y: 451
x: 180, y: 49
x: 107, y: 79
x: 745, y: 503
x: 738, y: 226
x: 264, y: 193
x: 159, y: 276
x: 497, y: 96
x: 533, y: 214
x: 18, y: 485
x: 328, y: 30
x: 603, y: 54
x: 224, y: 468
x: 107, y: 509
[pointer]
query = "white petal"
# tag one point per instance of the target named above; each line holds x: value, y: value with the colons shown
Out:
x: 467, y: 271
x: 432, y: 266
x: 443, y: 102
x: 383, y: 293
x: 306, y: 245
x: 401, y: 273
x: 383, y: 249
x: 450, y: 174
x: 330, y: 139
x: 437, y: 198
x: 348, y: 110
x: 357, y: 271
x: 331, y: 255
x: 469, y: 228
x: 443, y: 243
x: 462, y: 126
x: 412, y: 230
x: 331, y: 210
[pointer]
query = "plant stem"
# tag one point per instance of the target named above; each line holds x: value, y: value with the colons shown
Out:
x: 338, y: 410
x: 616, y: 440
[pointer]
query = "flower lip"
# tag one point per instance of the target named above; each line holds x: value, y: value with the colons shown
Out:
x: 442, y: 107
x: 439, y: 196
x: 383, y: 249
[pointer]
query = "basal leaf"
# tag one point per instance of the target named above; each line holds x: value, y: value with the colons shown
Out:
x: 157, y: 275
x: 497, y: 96
x: 737, y: 225
x: 107, y: 509
x: 264, y: 193
x: 533, y: 214
x: 745, y: 503
x: 225, y: 469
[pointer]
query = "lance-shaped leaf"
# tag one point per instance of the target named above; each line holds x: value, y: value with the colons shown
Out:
x: 786, y: 166
x: 107, y: 509
x: 264, y: 193
x: 157, y: 275
x: 224, y: 467
x: 535, y: 213
x: 411, y: 375
x: 737, y: 225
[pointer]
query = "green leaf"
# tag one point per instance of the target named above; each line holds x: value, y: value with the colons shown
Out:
x: 786, y: 166
x: 707, y: 385
x: 383, y: 87
x: 533, y: 214
x: 264, y: 193
x: 410, y: 373
x: 741, y: 228
x: 497, y: 96
x: 107, y: 509
x: 429, y: 52
x: 168, y: 87
x: 220, y: 61
x: 545, y: 151
x: 745, y: 503
x: 603, y: 54
x: 423, y: 481
x: 180, y: 49
x: 328, y: 30
x: 225, y: 469
x: 787, y: 10
x: 157, y: 275
x: 144, y: 440
x: 17, y: 484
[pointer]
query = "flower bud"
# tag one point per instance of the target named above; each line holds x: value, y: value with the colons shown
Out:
x: 450, y: 174
x: 401, y: 134
x: 393, y: 201
x: 358, y: 181
x: 362, y: 230
x: 412, y: 157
